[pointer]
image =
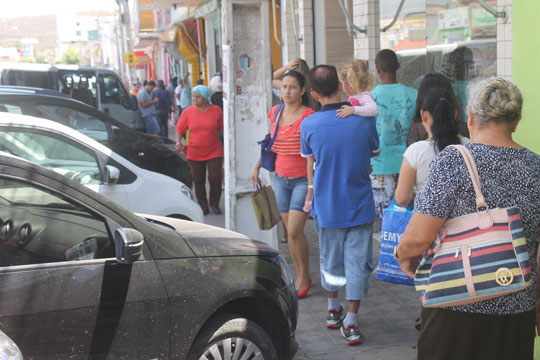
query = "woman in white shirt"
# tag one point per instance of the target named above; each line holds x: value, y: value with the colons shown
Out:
x: 438, y: 113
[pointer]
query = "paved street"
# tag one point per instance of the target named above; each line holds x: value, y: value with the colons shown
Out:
x: 386, y: 318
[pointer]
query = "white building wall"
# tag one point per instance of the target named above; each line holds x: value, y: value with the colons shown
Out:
x: 366, y: 13
x: 504, y: 41
x: 303, y: 46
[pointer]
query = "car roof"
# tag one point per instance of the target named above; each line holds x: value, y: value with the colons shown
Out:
x: 24, y: 91
x: 39, y: 123
x: 32, y: 122
x: 10, y: 89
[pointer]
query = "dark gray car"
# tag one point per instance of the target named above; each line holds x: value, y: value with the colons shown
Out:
x: 83, y: 278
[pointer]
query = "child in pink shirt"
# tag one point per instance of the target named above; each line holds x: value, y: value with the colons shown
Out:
x: 357, y: 82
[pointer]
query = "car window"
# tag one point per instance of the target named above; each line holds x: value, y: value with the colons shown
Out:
x: 85, y: 123
x: 112, y: 91
x: 39, y: 226
x: 10, y: 108
x: 53, y: 152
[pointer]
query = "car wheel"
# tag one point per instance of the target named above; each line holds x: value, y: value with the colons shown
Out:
x: 233, y: 337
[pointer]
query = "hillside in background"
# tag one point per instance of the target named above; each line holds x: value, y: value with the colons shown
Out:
x: 42, y: 28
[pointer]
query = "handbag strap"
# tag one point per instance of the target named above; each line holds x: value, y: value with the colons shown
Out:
x: 473, y: 172
x: 277, y: 114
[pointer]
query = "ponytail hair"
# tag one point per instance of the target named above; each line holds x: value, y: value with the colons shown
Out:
x: 439, y: 103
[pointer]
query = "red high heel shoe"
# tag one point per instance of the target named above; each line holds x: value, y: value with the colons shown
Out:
x: 302, y: 293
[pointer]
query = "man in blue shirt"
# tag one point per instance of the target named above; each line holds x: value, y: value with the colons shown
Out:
x: 147, y: 108
x: 342, y: 197
x: 396, y: 104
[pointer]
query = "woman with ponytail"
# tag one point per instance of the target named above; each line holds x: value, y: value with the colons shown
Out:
x: 438, y: 113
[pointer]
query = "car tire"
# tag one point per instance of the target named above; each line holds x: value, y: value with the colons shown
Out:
x: 232, y: 333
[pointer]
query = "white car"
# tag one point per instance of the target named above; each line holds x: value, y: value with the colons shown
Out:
x: 77, y: 156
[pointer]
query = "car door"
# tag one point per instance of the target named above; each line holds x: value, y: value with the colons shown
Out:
x: 115, y: 101
x: 63, y: 155
x: 63, y: 295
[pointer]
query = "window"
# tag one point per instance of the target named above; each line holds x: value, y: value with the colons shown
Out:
x: 39, y: 226
x: 10, y: 108
x: 49, y: 151
x: 84, y: 123
x: 112, y: 91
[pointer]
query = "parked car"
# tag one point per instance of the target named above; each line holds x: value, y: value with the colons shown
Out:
x: 153, y: 153
x: 97, y: 87
x: 83, y: 278
x: 73, y: 154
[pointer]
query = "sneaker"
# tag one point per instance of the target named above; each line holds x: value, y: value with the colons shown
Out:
x: 335, y: 318
x: 351, y: 335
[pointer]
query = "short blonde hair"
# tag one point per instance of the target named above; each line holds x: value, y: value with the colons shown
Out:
x: 496, y: 99
x: 357, y: 74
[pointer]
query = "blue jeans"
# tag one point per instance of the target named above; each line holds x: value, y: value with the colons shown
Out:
x: 152, y: 124
x: 290, y: 193
x: 347, y: 259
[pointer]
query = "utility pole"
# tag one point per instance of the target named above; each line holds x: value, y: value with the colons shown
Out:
x: 125, y: 20
x: 247, y: 98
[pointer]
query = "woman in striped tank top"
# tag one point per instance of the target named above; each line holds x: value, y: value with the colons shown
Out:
x: 290, y: 182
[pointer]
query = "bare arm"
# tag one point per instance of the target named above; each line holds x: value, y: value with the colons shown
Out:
x: 407, y: 179
x: 309, y: 195
x: 418, y: 237
x: 255, y: 174
x: 146, y: 104
x: 178, y: 141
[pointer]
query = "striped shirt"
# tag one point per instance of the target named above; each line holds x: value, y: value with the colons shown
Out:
x: 289, y: 162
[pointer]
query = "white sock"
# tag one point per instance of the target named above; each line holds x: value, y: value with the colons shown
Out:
x: 333, y: 304
x: 350, y: 319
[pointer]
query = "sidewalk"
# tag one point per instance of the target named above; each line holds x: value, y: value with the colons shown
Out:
x: 386, y: 317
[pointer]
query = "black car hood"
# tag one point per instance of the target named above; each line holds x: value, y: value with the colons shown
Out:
x: 206, y: 240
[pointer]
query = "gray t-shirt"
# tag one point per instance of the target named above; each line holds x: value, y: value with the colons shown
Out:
x: 143, y: 94
x: 508, y: 177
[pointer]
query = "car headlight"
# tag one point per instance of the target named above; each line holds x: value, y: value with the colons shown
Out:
x: 8, y: 349
x: 187, y: 191
x: 285, y: 271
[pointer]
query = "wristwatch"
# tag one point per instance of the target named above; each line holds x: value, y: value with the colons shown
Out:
x: 395, y: 253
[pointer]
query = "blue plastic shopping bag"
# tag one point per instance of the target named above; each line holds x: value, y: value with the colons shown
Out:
x: 395, y: 220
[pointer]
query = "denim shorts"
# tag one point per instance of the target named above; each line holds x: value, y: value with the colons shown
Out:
x: 152, y: 125
x: 347, y: 259
x: 290, y: 193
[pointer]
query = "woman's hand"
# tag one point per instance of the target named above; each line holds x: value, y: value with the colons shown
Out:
x: 291, y: 65
x: 179, y: 147
x: 408, y: 266
x: 255, y: 175
x: 345, y: 111
x: 308, y: 201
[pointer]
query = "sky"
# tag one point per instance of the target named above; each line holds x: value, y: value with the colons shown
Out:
x: 47, y: 7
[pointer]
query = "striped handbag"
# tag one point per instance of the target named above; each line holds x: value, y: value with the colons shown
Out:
x: 475, y: 257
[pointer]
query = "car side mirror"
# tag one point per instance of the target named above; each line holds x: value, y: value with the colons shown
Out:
x: 111, y: 175
x: 134, y: 102
x: 128, y: 244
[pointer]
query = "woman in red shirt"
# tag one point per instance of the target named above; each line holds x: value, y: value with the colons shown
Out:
x: 204, y: 121
x: 291, y: 183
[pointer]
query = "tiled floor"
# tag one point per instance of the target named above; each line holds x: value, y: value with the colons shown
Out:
x: 386, y: 318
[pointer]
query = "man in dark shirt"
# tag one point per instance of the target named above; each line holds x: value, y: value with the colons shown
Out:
x: 163, y: 107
